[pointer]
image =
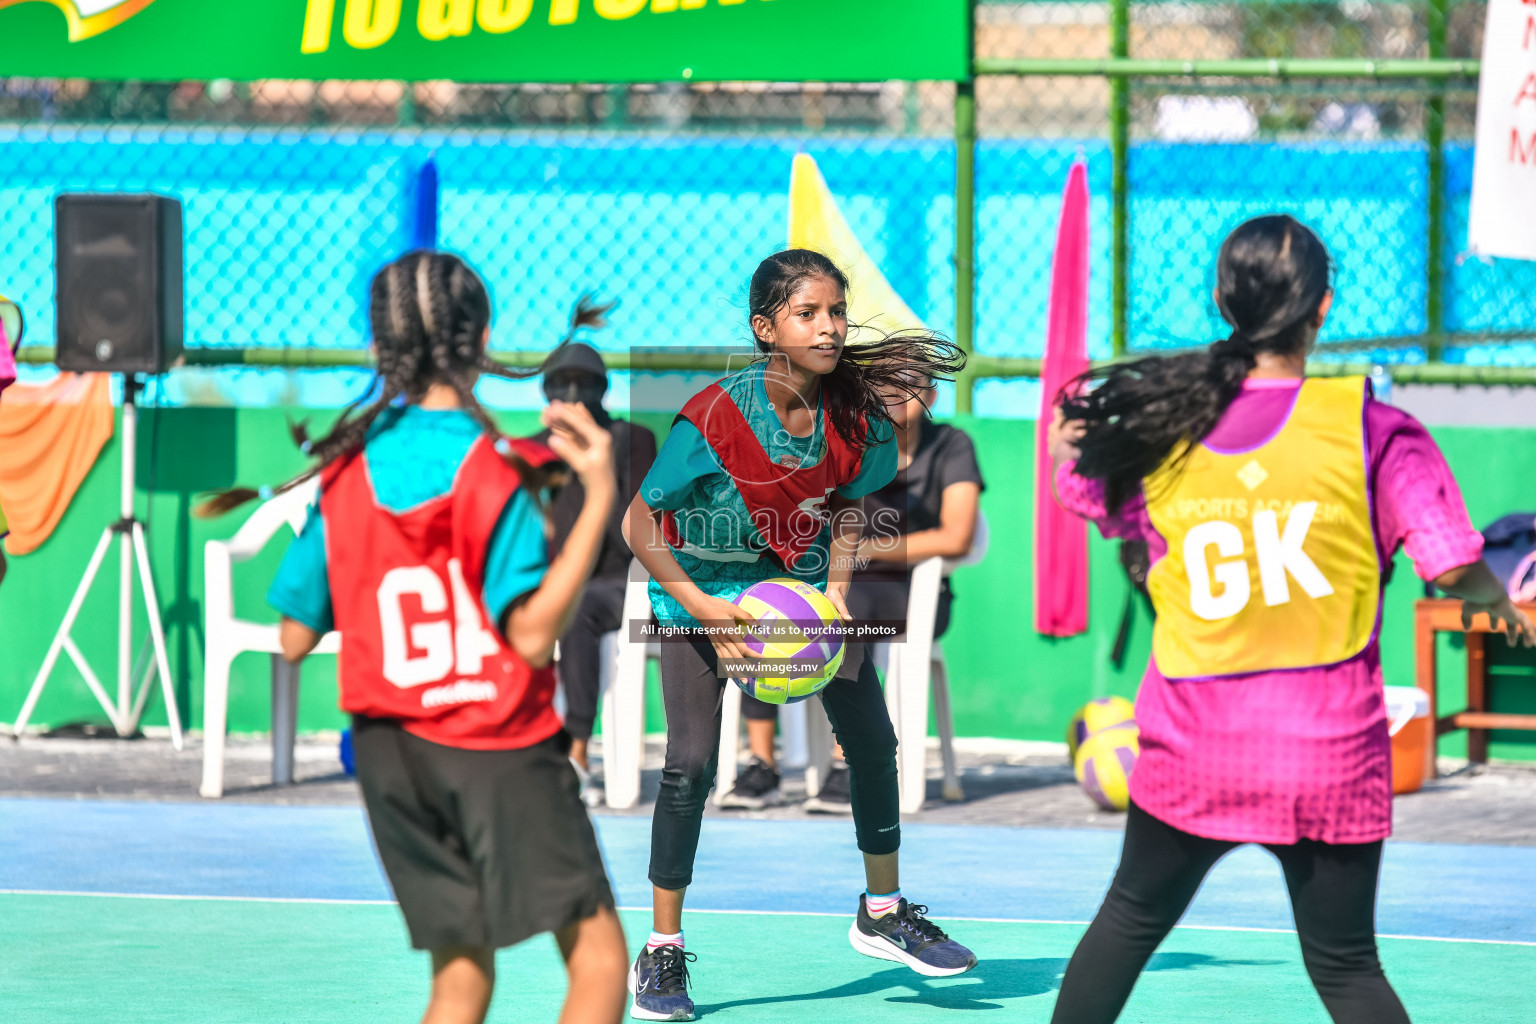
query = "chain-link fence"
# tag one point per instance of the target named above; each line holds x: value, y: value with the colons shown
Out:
x: 1338, y: 129
x: 665, y: 196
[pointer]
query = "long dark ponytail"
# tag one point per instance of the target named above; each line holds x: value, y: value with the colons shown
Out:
x: 429, y: 312
x: 1271, y: 276
x: 855, y: 392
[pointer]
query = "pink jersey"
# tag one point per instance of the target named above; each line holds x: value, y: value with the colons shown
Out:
x: 7, y: 361
x: 1276, y: 757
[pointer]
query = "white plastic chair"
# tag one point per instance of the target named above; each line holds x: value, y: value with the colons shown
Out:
x: 807, y: 740
x: 226, y: 637
x: 621, y: 685
x: 906, y: 696
x: 917, y: 668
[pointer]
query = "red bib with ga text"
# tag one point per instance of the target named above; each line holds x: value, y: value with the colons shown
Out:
x: 787, y: 503
x: 417, y: 645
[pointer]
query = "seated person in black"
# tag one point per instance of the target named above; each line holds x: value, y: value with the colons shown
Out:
x: 577, y: 374
x: 928, y: 509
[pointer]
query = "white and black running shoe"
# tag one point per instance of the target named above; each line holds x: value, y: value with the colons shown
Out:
x: 757, y: 786
x: 906, y: 936
x: 658, y: 985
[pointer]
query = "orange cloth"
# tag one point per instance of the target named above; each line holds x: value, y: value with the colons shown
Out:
x: 50, y: 436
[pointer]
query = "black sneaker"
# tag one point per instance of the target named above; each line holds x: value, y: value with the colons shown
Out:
x: 907, y: 937
x: 835, y: 796
x: 757, y: 786
x: 658, y: 985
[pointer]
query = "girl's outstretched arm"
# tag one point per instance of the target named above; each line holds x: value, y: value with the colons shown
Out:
x: 952, y: 538
x: 1482, y: 593
x: 1062, y: 443
x: 645, y: 539
x: 533, y: 625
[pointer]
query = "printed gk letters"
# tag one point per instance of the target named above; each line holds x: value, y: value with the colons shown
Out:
x: 1219, y: 587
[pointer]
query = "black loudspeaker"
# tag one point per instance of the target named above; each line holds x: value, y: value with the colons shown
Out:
x: 117, y: 282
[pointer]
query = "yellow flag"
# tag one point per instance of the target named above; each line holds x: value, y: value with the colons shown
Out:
x: 816, y: 223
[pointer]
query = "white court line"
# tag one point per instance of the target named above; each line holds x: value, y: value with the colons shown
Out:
x: 747, y: 913
x: 197, y: 898
x: 1084, y: 924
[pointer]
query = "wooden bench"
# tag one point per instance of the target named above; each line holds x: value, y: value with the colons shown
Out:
x: 1443, y: 615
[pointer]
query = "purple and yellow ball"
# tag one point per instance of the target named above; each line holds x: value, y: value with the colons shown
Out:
x: 1096, y: 716
x: 1104, y: 762
x: 796, y: 621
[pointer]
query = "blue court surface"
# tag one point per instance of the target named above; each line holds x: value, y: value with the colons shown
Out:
x: 237, y: 912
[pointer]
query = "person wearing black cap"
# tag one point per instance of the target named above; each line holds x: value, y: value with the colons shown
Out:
x: 576, y: 373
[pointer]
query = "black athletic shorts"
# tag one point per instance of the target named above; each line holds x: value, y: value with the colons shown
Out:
x: 482, y: 847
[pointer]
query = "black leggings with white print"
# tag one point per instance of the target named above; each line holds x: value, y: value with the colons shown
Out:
x: 1333, y: 897
x: 693, y: 697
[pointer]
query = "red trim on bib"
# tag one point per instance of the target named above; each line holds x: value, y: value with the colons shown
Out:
x: 787, y: 504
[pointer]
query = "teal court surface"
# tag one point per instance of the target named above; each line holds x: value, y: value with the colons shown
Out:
x: 226, y: 914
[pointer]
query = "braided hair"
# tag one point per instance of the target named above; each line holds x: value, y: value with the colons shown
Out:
x: 903, y: 363
x: 429, y: 313
x: 1272, y: 275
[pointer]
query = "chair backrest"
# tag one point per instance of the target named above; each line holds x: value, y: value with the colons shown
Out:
x: 979, y: 541
x: 291, y: 507
x: 637, y: 598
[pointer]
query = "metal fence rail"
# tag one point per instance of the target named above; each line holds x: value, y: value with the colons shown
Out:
x: 688, y: 360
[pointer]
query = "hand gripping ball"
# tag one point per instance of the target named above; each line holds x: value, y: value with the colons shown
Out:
x: 793, y: 621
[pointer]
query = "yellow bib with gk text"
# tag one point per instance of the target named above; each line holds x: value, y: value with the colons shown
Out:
x: 1271, y: 558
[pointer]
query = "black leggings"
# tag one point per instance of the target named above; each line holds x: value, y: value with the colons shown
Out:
x: 692, y: 695
x: 1333, y: 898
x: 601, y: 605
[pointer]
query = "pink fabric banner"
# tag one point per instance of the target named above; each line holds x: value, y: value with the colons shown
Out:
x: 7, y: 360
x: 1061, y: 538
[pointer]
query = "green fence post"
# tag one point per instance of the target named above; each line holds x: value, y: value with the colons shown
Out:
x: 1119, y: 182
x: 965, y: 226
x: 405, y: 113
x: 1434, y: 138
x: 618, y: 105
x: 965, y: 237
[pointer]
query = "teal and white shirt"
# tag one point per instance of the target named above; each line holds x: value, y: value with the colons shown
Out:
x: 721, y: 551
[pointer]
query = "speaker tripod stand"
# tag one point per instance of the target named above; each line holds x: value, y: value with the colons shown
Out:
x: 126, y: 711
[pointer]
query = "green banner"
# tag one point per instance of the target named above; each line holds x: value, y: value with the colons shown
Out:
x: 487, y: 40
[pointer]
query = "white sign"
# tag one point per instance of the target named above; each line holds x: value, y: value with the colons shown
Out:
x: 1503, y: 220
